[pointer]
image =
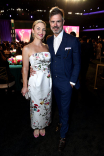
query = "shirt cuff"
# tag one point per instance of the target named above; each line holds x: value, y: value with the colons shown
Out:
x: 72, y: 83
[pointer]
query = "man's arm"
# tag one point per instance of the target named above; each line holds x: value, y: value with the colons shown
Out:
x: 76, y: 61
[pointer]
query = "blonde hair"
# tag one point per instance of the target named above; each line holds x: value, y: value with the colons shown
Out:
x: 36, y: 22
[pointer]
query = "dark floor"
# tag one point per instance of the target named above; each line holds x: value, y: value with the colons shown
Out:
x: 86, y: 132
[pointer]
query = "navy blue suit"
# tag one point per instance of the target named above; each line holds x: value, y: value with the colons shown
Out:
x: 65, y: 67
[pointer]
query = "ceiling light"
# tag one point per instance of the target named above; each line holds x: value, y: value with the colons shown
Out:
x: 69, y: 12
x: 94, y: 29
x: 19, y: 9
x: 91, y: 13
x: 78, y: 13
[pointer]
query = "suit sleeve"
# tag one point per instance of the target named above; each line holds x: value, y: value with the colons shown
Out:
x: 76, y: 61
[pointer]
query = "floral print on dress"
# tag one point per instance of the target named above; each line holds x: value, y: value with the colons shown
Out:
x: 40, y: 90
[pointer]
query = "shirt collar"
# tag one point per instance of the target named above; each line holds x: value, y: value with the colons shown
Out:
x: 60, y: 35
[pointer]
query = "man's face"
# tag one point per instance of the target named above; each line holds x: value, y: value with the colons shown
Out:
x: 56, y: 24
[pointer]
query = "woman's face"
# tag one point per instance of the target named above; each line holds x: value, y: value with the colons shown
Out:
x: 39, y: 31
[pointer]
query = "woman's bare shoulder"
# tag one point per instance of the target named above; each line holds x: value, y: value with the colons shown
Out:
x: 27, y: 47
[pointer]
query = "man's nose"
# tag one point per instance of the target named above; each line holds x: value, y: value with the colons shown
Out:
x: 55, y: 24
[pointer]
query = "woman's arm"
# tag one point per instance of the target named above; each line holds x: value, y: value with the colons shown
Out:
x: 25, y: 68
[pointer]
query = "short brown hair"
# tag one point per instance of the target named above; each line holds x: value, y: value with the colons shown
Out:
x: 55, y: 11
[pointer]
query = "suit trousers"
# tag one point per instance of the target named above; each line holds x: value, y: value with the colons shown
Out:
x: 62, y: 91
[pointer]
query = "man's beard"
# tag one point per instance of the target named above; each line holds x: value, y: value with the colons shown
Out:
x: 57, y: 31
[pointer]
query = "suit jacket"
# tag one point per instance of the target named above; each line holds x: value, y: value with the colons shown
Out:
x: 70, y: 56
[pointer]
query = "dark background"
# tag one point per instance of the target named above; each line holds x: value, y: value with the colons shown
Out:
x: 30, y: 8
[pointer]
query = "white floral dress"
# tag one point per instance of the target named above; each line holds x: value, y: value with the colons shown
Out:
x: 40, y: 90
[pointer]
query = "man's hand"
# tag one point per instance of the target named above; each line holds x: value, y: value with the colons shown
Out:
x: 32, y: 72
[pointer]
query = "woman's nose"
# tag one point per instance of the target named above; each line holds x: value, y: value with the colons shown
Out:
x: 41, y: 32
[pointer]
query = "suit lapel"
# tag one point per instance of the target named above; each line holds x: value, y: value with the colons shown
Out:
x: 51, y: 46
x: 62, y: 45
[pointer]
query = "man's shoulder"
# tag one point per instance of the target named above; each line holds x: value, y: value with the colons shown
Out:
x: 69, y: 36
x: 72, y: 39
x: 50, y: 38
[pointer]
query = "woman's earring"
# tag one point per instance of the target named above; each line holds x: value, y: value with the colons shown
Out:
x: 33, y: 35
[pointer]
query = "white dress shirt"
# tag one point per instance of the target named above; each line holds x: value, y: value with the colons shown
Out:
x: 56, y: 44
x: 57, y: 41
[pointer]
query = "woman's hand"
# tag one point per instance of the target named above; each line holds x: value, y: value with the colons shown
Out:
x: 24, y: 91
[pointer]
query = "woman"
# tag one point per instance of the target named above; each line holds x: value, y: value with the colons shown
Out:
x: 39, y: 85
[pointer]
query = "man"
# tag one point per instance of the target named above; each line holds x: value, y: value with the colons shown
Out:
x: 65, y: 67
